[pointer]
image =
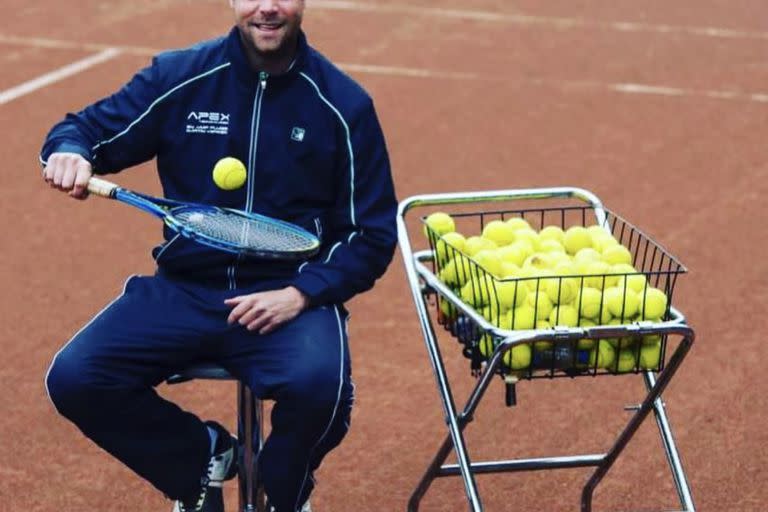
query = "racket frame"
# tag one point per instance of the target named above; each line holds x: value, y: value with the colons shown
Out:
x: 166, y: 209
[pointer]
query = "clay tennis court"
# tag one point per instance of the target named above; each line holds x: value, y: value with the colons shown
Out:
x: 660, y: 108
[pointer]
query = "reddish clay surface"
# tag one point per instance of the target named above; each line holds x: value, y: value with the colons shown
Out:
x: 532, y: 106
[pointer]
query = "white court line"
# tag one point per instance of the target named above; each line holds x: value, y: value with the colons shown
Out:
x: 551, y: 21
x: 624, y: 88
x: 425, y: 73
x: 407, y: 72
x: 56, y: 75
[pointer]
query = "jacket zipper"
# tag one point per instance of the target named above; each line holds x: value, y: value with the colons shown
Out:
x: 255, y: 122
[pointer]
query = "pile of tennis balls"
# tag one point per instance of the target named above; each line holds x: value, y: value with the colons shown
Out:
x: 579, y: 276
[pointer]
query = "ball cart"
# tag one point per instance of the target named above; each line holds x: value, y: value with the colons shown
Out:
x: 521, y: 328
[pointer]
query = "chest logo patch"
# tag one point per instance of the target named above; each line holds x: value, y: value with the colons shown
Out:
x: 211, y: 123
x: 297, y: 134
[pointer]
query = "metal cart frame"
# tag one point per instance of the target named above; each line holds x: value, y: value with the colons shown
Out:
x: 424, y: 284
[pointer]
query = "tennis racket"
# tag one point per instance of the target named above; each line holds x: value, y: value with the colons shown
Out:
x: 225, y: 229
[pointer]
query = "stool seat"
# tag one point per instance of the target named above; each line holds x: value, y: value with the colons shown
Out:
x: 210, y: 371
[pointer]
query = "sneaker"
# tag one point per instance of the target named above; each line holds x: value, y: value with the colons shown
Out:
x: 305, y: 508
x: 222, y: 466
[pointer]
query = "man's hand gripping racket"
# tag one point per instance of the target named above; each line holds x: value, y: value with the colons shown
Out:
x: 225, y: 229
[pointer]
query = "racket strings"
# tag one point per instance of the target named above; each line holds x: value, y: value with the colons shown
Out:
x: 247, y: 232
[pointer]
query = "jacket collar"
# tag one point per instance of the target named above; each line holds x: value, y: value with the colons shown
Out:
x: 243, y: 68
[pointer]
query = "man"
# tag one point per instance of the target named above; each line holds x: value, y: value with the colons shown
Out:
x: 315, y: 156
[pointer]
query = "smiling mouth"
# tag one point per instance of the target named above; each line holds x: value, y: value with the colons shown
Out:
x: 268, y: 27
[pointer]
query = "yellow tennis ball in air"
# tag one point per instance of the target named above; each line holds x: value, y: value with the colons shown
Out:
x: 229, y: 173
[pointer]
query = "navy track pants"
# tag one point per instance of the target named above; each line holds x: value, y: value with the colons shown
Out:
x: 103, y: 380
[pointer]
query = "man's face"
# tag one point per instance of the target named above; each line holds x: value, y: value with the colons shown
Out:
x: 270, y: 26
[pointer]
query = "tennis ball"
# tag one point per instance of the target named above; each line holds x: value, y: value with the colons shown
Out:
x: 603, y: 356
x: 229, y: 173
x: 654, y: 303
x: 478, y: 291
x: 456, y: 272
x: 475, y: 244
x: 626, y: 361
x: 586, y: 343
x: 550, y: 245
x: 528, y: 234
x: 534, y: 278
x: 623, y: 303
x: 511, y: 294
x: 518, y: 357
x: 597, y: 230
x: 651, y: 339
x: 615, y: 254
x: 634, y: 280
x: 486, y: 345
x: 515, y: 253
x: 553, y: 232
x: 561, y: 290
x: 489, y: 261
x: 601, y: 237
x: 521, y: 318
x: 589, y: 301
x: 538, y: 261
x: 564, y: 315
x: 509, y: 269
x: 605, y: 317
x: 518, y: 223
x: 448, y: 245
x: 447, y: 310
x: 597, y: 277
x: 541, y: 303
x: 650, y: 356
x: 586, y: 255
x: 439, y: 222
x: 499, y: 232
x: 576, y: 238
x: 494, y: 314
x: 600, y: 242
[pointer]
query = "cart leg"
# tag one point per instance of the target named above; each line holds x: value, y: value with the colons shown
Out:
x: 636, y: 420
x: 435, y: 467
x: 670, y: 448
x: 430, y: 474
x: 452, y: 419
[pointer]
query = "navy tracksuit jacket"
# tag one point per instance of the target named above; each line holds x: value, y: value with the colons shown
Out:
x: 315, y: 156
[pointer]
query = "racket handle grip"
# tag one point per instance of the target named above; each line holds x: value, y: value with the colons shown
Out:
x: 101, y: 187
